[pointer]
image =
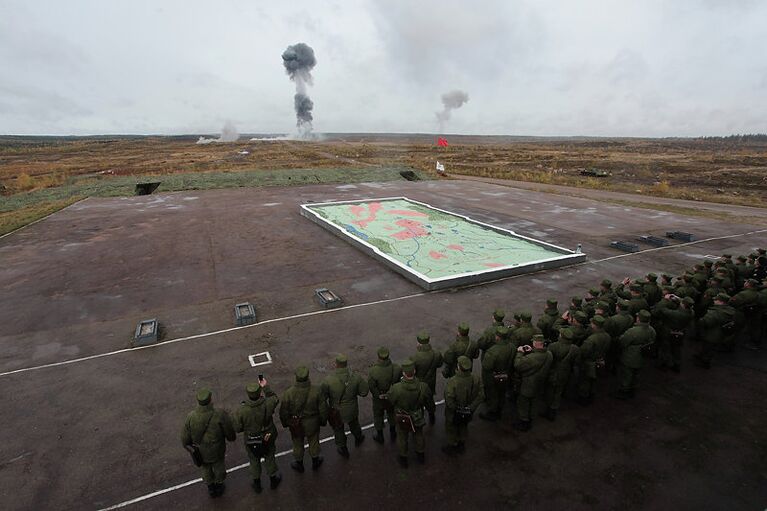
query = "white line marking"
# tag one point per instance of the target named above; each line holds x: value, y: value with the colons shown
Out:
x: 366, y: 304
x: 41, y: 219
x: 228, y: 471
x: 252, y: 359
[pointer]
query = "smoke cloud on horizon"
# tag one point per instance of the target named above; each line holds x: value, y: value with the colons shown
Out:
x: 450, y: 101
x: 299, y: 61
x: 228, y: 134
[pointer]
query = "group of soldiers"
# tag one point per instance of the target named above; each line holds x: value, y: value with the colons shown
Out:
x: 610, y: 330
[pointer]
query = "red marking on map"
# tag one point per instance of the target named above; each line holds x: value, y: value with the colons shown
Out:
x: 373, y: 208
x: 436, y: 255
x: 493, y: 265
x: 357, y: 210
x: 405, y: 212
x: 413, y: 229
x: 456, y: 247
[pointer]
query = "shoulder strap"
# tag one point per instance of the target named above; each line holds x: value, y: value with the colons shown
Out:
x: 207, y: 424
x: 303, y: 405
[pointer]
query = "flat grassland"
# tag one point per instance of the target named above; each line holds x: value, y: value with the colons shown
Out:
x: 41, y: 174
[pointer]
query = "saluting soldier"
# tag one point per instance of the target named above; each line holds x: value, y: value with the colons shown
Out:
x: 615, y: 326
x: 651, y: 290
x: 303, y: 410
x: 254, y: 419
x: 487, y: 339
x: 550, y: 321
x: 204, y: 435
x: 341, y: 390
x: 410, y: 397
x: 496, y: 370
x: 717, y: 329
x: 631, y: 344
x: 381, y: 377
x: 462, y: 346
x: 564, y: 357
x: 532, y: 365
x: 592, y: 355
x: 463, y: 395
x: 673, y: 321
x: 427, y: 360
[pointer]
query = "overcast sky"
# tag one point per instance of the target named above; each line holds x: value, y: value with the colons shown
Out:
x: 537, y: 67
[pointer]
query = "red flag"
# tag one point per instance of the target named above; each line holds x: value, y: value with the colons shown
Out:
x: 441, y: 142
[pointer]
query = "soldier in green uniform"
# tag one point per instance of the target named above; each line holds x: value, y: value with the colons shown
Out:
x: 254, y: 419
x: 427, y: 360
x: 615, y: 326
x: 205, y: 432
x: 746, y: 302
x: 524, y: 333
x: 637, y: 302
x: 631, y: 344
x: 487, y: 339
x: 717, y: 329
x: 532, y: 365
x: 578, y: 323
x: 589, y: 301
x: 550, y: 321
x: 303, y: 410
x: 742, y: 272
x: 462, y: 346
x: 672, y: 322
x: 410, y: 397
x: 464, y: 393
x: 496, y: 371
x: 564, y: 357
x: 592, y: 354
x: 341, y: 390
x: 381, y: 377
x: 606, y: 293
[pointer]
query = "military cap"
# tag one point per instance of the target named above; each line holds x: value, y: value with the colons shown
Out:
x: 708, y: 262
x: 203, y: 396
x: 635, y: 287
x: 423, y: 338
x: 753, y: 255
x: 517, y: 316
x: 594, y: 291
x: 576, y: 300
x: 464, y: 363
x: 551, y: 302
x: 598, y: 320
x: 602, y: 305
x: 525, y: 316
x: 722, y: 269
x: 752, y: 282
x: 341, y: 360
x: 667, y: 289
x: 624, y: 304
x: 502, y: 332
x: 666, y: 276
x: 581, y: 317
x: 302, y: 373
x: 566, y: 333
x: 383, y: 352
x: 644, y: 316
x: 253, y: 390
x: 538, y: 338
x: 727, y: 256
x: 688, y: 301
x: 463, y: 328
x: 498, y: 314
x: 652, y: 277
x: 408, y: 366
x: 742, y: 258
x: 722, y: 297
x: 718, y: 278
x: 607, y: 283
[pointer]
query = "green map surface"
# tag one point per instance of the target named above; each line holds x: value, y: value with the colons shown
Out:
x: 433, y: 243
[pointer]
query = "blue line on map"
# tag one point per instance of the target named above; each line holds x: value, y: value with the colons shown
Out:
x: 350, y: 228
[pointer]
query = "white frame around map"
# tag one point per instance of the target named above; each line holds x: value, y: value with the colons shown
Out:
x: 567, y: 257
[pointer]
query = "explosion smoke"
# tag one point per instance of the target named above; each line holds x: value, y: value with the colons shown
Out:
x: 228, y: 134
x: 299, y: 61
x: 451, y: 100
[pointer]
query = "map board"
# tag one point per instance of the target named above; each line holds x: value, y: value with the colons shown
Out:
x: 433, y: 247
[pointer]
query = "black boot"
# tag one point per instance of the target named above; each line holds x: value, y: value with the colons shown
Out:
x: 220, y: 487
x: 432, y: 418
x: 421, y: 457
x: 275, y: 480
x: 343, y: 451
x: 402, y: 461
x: 450, y: 450
x: 358, y: 441
x: 523, y: 425
x: 256, y: 485
x: 393, y: 432
x: 212, y: 491
x: 378, y: 437
x: 297, y: 465
x: 623, y: 394
x: 550, y: 414
x: 461, y: 447
x: 316, y: 462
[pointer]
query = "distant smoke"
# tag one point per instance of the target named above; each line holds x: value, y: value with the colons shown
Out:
x: 299, y: 61
x: 450, y: 100
x: 228, y: 134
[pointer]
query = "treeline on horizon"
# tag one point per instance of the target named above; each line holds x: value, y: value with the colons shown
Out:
x: 745, y: 137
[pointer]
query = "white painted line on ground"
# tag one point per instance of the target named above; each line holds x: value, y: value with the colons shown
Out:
x: 252, y: 359
x: 366, y: 304
x: 228, y: 471
x: 41, y: 219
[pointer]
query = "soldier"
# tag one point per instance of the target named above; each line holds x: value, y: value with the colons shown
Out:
x: 427, y: 360
x: 651, y: 290
x: 410, y: 397
x: 672, y: 322
x: 637, y: 301
x: 523, y: 334
x: 631, y: 344
x: 550, y: 321
x: 717, y: 329
x: 564, y: 357
x: 496, y: 369
x: 592, y: 355
x: 532, y: 364
x: 487, y: 339
x: 578, y: 323
x: 462, y: 345
x: 254, y: 420
x: 615, y: 326
x: 303, y: 410
x: 743, y: 272
x: 203, y: 435
x: 381, y: 377
x: 606, y: 293
x: 463, y: 395
x: 589, y: 301
x: 341, y: 390
x: 746, y: 303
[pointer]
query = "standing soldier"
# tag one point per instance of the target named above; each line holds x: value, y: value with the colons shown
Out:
x: 427, y: 360
x: 651, y: 290
x: 524, y: 333
x: 302, y: 411
x: 578, y: 323
x: 463, y: 395
x: 381, y: 377
x: 496, y: 369
x: 717, y: 329
x: 631, y: 344
x: 462, y: 346
x: 550, y: 322
x: 254, y: 420
x: 747, y: 303
x: 203, y: 435
x: 564, y: 357
x: 615, y: 326
x: 409, y: 398
x: 532, y: 364
x: 606, y: 293
x: 488, y: 336
x: 341, y: 390
x: 592, y: 354
x: 673, y: 321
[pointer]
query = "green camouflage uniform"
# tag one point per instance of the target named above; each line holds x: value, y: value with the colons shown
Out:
x: 462, y: 346
x: 533, y: 369
x: 496, y: 373
x: 672, y: 323
x: 631, y: 344
x: 593, y: 352
x: 427, y: 360
x: 341, y: 390
x: 254, y: 417
x: 381, y: 377
x: 303, y: 402
x: 461, y: 390
x: 410, y: 397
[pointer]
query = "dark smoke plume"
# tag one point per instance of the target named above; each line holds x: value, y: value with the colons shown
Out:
x: 299, y: 61
x: 450, y: 101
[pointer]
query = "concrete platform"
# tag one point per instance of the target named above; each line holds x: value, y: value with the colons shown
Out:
x: 90, y: 423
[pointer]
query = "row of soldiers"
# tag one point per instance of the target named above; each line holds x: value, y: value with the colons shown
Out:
x: 611, y: 329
